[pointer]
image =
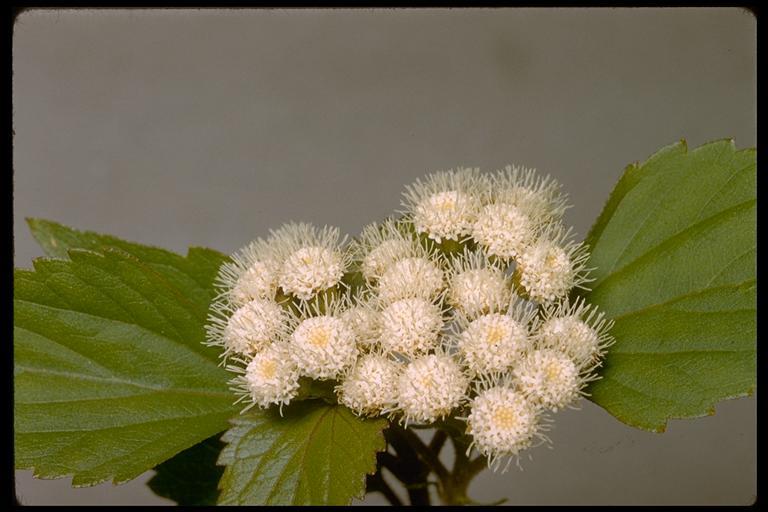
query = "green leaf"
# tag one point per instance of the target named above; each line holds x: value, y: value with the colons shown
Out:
x: 192, y: 275
x: 316, y: 454
x: 110, y: 375
x: 675, y: 254
x: 192, y: 476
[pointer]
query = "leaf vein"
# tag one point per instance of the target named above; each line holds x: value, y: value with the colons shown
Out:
x: 672, y: 241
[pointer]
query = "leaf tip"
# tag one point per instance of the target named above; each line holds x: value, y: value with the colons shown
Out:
x: 34, y: 224
x: 37, y: 223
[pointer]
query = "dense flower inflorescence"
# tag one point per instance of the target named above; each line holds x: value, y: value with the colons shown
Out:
x: 460, y: 308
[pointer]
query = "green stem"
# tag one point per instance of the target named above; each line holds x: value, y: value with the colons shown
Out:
x: 412, y: 471
x: 477, y: 465
x: 428, y: 457
x: 415, y: 461
x: 455, y: 486
x: 438, y: 441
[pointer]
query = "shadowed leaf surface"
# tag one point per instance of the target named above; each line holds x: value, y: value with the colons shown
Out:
x: 192, y: 476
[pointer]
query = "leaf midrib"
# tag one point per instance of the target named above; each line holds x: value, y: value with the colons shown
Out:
x: 690, y: 295
x: 673, y: 353
x: 673, y: 240
x: 115, y: 380
x: 212, y: 412
x: 659, y: 199
x: 103, y: 291
x: 179, y: 343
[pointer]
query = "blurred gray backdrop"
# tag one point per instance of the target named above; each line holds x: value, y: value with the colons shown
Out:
x: 208, y: 127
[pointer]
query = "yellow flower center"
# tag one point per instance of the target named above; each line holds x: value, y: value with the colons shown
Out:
x: 505, y: 418
x: 495, y: 335
x: 319, y: 337
x: 551, y: 259
x: 445, y: 201
x: 427, y: 382
x: 553, y: 372
x: 268, y: 368
x: 447, y: 205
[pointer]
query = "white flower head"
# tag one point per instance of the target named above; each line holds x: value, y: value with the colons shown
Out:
x: 323, y: 345
x: 503, y: 422
x: 419, y: 277
x: 552, y: 266
x: 270, y: 377
x: 550, y: 378
x: 518, y: 205
x: 247, y: 329
x: 477, y: 286
x: 503, y: 230
x: 252, y: 274
x: 576, y: 329
x: 365, y: 320
x: 445, y: 204
x: 371, y: 385
x: 495, y: 342
x: 380, y: 245
x: 312, y: 259
x: 410, y: 326
x: 430, y: 387
x: 539, y: 197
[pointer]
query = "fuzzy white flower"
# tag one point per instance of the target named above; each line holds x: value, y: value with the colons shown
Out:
x: 312, y: 259
x: 570, y: 334
x: 371, y: 385
x: 549, y: 378
x: 323, y: 346
x: 494, y: 342
x: 447, y: 214
x: 445, y: 204
x: 430, y: 387
x: 246, y: 329
x: 252, y: 274
x: 503, y: 230
x: 270, y: 377
x: 502, y: 422
x: 551, y: 267
x: 310, y: 270
x: 519, y: 203
x: 577, y: 330
x: 539, y: 197
x: 477, y: 286
x: 411, y: 277
x: 376, y: 262
x: 258, y: 281
x: 364, y: 321
x: 410, y: 326
x: 380, y: 245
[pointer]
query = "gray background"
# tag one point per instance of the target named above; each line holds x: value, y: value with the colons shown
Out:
x: 178, y: 128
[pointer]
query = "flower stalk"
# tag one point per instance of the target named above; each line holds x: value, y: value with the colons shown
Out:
x: 415, y: 462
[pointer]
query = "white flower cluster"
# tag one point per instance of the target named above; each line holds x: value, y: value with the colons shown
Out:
x: 279, y: 316
x: 459, y: 308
